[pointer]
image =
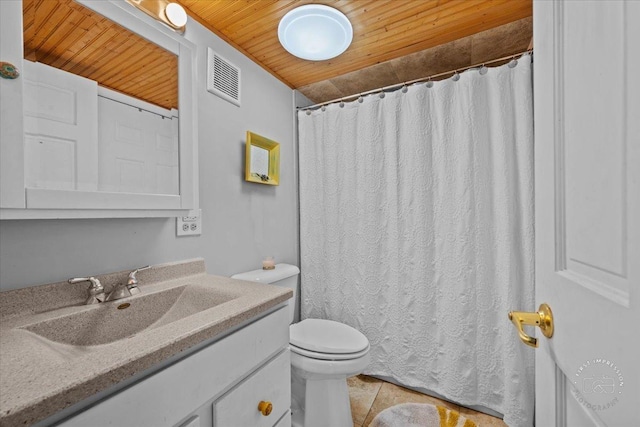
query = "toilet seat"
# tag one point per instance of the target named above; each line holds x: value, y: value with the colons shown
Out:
x: 327, y: 356
x: 327, y: 340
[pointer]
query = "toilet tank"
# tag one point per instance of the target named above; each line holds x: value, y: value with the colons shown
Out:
x: 283, y: 275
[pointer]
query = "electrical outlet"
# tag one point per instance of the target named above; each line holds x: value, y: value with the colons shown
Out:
x: 190, y: 225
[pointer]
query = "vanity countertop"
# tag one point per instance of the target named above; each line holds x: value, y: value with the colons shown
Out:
x: 40, y: 377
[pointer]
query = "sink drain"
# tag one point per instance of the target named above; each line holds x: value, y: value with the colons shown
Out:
x: 123, y: 306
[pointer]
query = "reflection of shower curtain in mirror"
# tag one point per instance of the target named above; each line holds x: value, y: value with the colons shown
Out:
x: 138, y: 149
x: 417, y: 229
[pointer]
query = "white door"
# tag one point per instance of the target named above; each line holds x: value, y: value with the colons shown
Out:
x: 587, y: 169
x: 138, y: 148
x: 60, y: 129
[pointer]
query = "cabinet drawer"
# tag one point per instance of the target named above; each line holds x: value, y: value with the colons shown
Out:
x: 271, y: 383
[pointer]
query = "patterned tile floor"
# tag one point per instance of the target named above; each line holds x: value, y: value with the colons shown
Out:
x: 370, y: 395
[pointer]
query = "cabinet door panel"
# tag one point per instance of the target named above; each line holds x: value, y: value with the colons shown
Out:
x: 52, y: 162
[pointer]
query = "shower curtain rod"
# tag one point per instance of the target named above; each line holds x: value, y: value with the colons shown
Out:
x: 423, y: 79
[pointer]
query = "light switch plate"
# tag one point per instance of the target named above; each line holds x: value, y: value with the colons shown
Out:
x: 190, y: 225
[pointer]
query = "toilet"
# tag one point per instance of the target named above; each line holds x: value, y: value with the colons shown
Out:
x: 323, y: 354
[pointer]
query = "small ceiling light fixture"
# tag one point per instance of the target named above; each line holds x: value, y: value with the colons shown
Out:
x: 315, y: 32
x: 171, y: 14
x: 176, y: 15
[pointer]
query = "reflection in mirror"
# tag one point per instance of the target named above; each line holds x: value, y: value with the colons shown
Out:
x: 68, y: 36
x: 101, y: 104
x: 259, y: 161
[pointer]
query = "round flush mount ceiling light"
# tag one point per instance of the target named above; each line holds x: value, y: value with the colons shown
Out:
x: 315, y: 32
x: 176, y: 14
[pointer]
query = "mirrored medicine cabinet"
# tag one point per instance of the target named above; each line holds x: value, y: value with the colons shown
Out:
x: 101, y: 118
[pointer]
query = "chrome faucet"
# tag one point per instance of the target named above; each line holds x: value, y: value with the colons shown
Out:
x: 95, y: 292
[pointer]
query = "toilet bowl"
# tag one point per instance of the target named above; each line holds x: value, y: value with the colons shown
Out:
x: 324, y: 353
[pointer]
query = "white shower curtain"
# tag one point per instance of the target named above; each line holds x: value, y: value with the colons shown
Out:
x: 416, y: 214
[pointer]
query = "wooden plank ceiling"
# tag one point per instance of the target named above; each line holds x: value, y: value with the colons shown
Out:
x: 68, y: 36
x: 383, y: 30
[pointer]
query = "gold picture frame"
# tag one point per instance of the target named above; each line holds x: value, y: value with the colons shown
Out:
x: 262, y: 160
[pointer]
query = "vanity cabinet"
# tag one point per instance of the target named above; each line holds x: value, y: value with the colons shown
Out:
x: 54, y: 162
x: 220, y: 385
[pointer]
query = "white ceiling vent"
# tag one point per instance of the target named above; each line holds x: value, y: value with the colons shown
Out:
x: 223, y: 78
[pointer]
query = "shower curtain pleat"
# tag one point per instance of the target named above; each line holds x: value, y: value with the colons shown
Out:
x: 416, y: 216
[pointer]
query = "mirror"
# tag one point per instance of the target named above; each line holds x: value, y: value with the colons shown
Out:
x: 132, y: 143
x: 262, y: 163
x: 259, y: 161
x: 71, y: 37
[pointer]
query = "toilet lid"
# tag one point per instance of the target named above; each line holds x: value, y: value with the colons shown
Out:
x: 327, y: 336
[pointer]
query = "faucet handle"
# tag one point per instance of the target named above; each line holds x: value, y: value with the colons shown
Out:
x: 132, y: 276
x: 95, y: 291
x: 132, y: 283
x: 95, y: 283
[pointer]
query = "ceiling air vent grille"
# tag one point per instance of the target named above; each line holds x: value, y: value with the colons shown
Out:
x: 223, y: 78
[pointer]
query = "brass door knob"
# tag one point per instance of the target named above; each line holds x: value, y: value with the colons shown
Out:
x: 543, y: 318
x: 265, y: 408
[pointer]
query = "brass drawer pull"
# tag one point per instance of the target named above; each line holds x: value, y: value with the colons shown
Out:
x: 265, y: 408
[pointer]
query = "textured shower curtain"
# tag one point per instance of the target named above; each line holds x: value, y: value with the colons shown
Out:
x: 416, y: 214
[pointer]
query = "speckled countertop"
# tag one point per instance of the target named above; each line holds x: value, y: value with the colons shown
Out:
x: 40, y: 377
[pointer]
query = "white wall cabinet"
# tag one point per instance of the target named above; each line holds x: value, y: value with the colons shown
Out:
x: 52, y: 161
x: 220, y: 385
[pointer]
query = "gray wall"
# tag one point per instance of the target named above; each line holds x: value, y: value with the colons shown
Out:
x: 241, y: 222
